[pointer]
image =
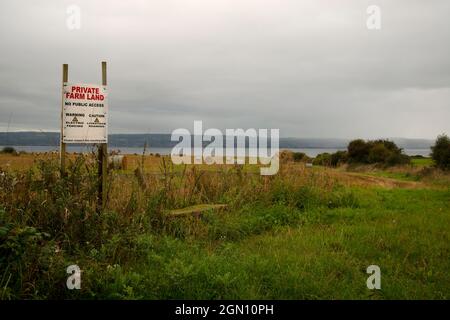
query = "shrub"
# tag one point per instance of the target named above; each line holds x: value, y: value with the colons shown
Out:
x: 389, y: 145
x: 441, y: 152
x: 376, y: 152
x: 358, y: 151
x: 9, y: 150
x: 323, y: 159
x: 286, y: 156
x: 299, y: 156
x: 338, y: 158
x: 397, y: 159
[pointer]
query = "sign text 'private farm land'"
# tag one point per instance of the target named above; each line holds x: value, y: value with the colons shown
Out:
x: 85, y: 113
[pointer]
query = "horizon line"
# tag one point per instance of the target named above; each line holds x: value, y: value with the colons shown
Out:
x: 281, y: 137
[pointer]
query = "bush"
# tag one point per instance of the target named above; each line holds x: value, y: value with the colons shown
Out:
x: 333, y: 159
x: 300, y: 157
x: 397, y: 159
x: 338, y: 158
x: 9, y: 150
x: 441, y: 152
x: 323, y: 159
x: 358, y: 151
x: 376, y: 152
x: 286, y: 156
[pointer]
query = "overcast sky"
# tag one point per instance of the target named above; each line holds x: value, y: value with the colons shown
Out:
x: 309, y: 68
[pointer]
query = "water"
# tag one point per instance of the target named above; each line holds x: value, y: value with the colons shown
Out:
x: 310, y: 152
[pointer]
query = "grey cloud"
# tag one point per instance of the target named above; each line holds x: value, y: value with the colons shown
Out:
x: 310, y: 68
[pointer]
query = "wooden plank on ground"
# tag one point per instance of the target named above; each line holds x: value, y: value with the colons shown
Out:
x: 195, y: 210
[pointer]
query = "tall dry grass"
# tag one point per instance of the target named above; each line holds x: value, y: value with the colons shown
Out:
x: 48, y: 220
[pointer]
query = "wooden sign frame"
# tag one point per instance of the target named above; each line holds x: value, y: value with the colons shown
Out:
x: 102, y: 157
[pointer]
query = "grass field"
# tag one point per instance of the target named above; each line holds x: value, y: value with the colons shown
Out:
x: 422, y: 162
x: 306, y: 233
x: 283, y: 253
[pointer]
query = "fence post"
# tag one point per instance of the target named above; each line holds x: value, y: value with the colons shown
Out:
x: 62, y: 145
x: 102, y: 159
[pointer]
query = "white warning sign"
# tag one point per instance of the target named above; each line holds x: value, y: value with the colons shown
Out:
x: 85, y: 113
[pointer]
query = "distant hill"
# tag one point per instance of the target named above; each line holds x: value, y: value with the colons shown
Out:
x: 162, y: 140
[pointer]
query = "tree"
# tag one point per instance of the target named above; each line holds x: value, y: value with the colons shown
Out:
x: 441, y: 152
x: 376, y: 151
x: 323, y: 159
x: 10, y: 150
x: 358, y: 151
x: 390, y: 145
x: 338, y: 157
x: 300, y: 156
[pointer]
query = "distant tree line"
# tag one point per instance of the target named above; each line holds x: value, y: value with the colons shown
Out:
x: 8, y: 150
x: 383, y: 152
x: 359, y: 151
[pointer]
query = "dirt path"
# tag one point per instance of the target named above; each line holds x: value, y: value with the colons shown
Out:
x: 361, y: 179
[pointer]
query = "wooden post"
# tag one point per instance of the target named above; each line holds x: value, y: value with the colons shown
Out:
x: 62, y: 145
x: 102, y: 160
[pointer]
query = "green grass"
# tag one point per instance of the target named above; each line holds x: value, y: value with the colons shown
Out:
x: 422, y: 162
x: 285, y: 253
x: 196, y: 209
x: 302, y: 234
x: 402, y: 176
